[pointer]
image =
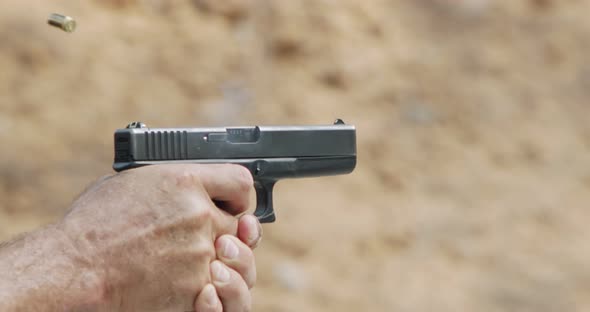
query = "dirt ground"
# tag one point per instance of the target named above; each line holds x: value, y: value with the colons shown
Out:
x: 472, y: 188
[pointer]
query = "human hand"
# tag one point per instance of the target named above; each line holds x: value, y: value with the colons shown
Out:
x: 149, y: 234
x: 234, y: 271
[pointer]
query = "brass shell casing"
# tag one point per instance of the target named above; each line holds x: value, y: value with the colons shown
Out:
x: 62, y: 22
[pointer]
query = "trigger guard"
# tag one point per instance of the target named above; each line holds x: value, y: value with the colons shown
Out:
x: 264, y: 209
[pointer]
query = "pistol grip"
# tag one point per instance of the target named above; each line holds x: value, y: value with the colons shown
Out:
x: 264, y: 210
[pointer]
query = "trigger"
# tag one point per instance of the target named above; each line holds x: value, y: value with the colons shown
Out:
x: 264, y: 210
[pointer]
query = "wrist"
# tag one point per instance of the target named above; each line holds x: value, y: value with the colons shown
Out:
x: 43, y: 271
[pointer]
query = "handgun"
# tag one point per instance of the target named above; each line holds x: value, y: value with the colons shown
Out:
x: 270, y: 153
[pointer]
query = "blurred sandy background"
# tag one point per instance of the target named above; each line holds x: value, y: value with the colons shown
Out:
x: 472, y: 191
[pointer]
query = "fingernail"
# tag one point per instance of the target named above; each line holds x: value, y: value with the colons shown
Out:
x: 229, y: 249
x: 210, y: 295
x: 256, y: 234
x: 220, y: 274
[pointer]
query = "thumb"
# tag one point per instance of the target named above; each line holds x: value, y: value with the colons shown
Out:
x: 228, y: 185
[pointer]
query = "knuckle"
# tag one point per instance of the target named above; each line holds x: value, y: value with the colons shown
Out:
x: 244, y: 178
x: 231, y: 289
x: 236, y: 288
x: 206, y: 213
x: 174, y: 174
x: 237, y: 293
x: 186, y: 179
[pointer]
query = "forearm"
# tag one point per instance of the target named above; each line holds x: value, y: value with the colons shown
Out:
x: 43, y: 271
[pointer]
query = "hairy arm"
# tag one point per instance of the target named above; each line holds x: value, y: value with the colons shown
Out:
x: 142, y: 240
x: 42, y: 271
